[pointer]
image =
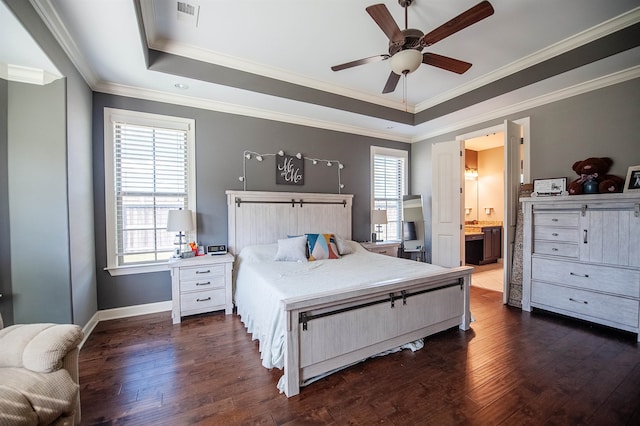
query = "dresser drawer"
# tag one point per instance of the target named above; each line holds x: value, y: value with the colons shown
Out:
x: 202, y: 283
x: 624, y: 282
x: 550, y: 218
x: 556, y: 249
x: 199, y: 272
x: 202, y: 300
x: 549, y: 233
x: 585, y: 304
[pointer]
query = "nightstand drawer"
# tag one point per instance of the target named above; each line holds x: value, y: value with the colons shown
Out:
x: 387, y: 251
x: 202, y: 283
x: 555, y: 249
x: 202, y: 300
x: 200, y: 272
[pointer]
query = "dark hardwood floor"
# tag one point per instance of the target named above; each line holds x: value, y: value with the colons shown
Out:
x: 512, y: 368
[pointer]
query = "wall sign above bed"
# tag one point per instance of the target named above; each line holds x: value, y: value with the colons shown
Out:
x: 289, y: 168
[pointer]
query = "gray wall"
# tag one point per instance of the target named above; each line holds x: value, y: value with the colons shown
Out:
x: 37, y: 204
x: 601, y: 123
x: 73, y: 108
x: 6, y: 307
x: 220, y: 142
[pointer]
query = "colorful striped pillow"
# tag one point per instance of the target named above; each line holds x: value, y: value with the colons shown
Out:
x: 322, y: 246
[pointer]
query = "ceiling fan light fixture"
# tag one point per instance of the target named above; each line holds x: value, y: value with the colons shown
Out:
x: 406, y: 61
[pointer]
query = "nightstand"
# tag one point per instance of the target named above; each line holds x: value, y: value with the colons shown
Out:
x: 201, y: 284
x: 389, y: 248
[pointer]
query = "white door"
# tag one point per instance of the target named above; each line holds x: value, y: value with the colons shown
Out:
x: 447, y: 160
x: 512, y: 134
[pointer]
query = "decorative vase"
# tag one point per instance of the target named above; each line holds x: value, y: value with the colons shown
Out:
x: 590, y: 187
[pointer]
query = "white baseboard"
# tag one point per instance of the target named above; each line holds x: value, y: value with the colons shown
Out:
x: 127, y: 311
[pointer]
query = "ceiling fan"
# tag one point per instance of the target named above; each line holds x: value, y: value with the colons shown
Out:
x: 405, y: 46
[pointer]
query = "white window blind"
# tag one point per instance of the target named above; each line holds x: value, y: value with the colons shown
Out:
x: 151, y: 174
x: 389, y: 185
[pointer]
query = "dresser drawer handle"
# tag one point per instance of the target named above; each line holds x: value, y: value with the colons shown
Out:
x: 578, y: 301
x: 554, y: 219
x: 554, y: 249
x: 579, y: 275
x: 203, y: 272
x: 207, y: 283
x: 203, y: 300
x: 555, y: 234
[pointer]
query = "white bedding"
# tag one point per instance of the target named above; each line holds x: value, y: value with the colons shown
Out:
x: 262, y: 284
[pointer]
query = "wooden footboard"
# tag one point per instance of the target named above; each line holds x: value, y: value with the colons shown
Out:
x: 335, y: 330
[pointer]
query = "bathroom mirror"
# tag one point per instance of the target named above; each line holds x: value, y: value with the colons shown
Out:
x: 412, y: 223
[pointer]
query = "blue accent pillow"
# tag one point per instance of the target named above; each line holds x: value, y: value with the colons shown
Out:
x: 322, y: 246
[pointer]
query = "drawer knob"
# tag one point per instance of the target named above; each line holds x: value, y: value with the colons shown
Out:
x: 579, y: 275
x: 207, y: 283
x: 555, y: 234
x: 203, y: 272
x: 578, y: 301
x: 554, y: 219
x: 203, y: 300
x: 554, y: 249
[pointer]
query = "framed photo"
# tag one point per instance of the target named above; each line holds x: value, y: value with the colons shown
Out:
x: 632, y: 183
x: 549, y: 187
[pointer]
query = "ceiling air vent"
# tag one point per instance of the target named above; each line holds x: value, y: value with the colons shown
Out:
x: 188, y: 12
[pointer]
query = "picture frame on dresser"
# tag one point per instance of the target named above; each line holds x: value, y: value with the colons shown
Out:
x: 632, y: 183
x: 549, y: 187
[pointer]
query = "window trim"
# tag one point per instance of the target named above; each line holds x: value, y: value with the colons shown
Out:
x: 392, y: 152
x: 147, y: 119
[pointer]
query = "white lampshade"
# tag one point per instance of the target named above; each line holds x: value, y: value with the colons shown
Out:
x: 406, y: 61
x: 379, y: 217
x: 180, y: 220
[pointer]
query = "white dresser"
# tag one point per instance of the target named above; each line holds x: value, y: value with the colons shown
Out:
x: 201, y: 284
x: 581, y: 257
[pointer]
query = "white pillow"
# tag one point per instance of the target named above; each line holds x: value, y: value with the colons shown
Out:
x: 292, y: 249
x: 343, y: 246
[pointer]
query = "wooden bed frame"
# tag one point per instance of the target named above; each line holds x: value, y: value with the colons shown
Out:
x: 334, y: 330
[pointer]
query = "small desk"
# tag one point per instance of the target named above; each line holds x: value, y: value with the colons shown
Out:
x: 389, y: 248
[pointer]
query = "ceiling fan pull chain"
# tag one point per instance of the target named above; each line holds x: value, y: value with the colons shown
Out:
x: 404, y: 91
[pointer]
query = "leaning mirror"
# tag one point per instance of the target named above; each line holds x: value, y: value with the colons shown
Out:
x: 412, y: 224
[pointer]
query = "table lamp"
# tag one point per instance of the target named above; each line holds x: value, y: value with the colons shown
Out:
x: 180, y: 221
x: 378, y: 218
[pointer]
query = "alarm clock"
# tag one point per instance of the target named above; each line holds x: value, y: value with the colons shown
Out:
x: 217, y: 249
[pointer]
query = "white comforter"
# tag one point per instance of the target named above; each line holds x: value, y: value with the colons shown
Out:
x: 262, y: 283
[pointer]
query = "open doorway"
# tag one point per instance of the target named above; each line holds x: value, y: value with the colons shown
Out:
x: 448, y: 213
x: 515, y: 160
x: 484, y: 209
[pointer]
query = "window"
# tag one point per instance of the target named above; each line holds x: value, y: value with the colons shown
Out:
x: 149, y: 170
x: 389, y: 184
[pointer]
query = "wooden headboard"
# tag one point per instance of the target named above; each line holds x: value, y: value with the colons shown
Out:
x: 258, y: 217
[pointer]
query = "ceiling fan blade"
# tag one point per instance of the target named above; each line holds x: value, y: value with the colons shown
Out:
x: 392, y: 82
x: 446, y: 63
x: 471, y: 16
x: 369, y: 60
x: 383, y: 18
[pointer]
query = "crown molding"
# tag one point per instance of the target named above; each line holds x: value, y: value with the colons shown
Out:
x: 558, y: 95
x: 52, y: 20
x: 29, y: 75
x: 603, y: 29
x: 159, y: 96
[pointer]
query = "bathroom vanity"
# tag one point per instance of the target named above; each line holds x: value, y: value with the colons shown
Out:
x: 483, y: 243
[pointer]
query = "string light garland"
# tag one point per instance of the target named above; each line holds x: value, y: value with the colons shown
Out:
x: 248, y: 155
